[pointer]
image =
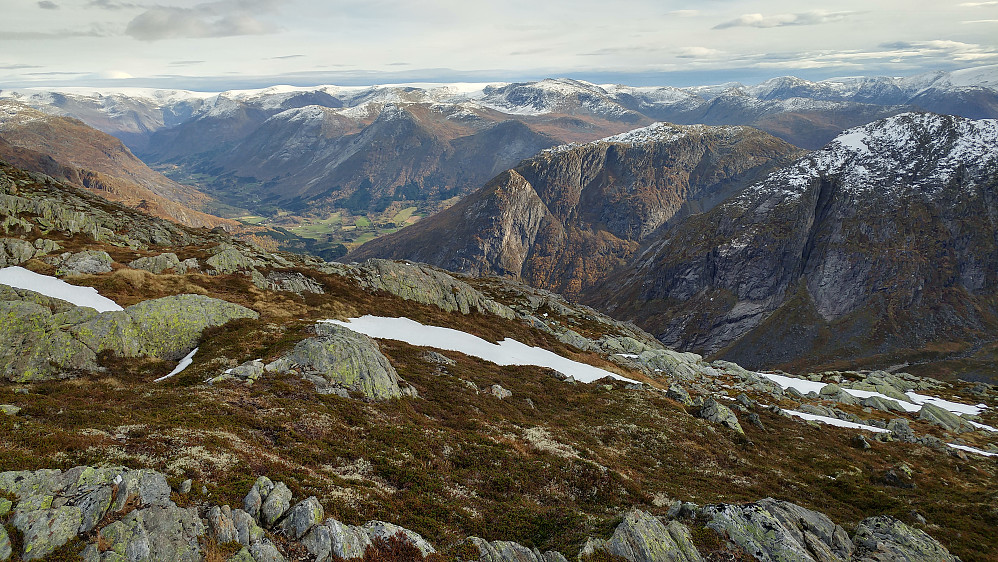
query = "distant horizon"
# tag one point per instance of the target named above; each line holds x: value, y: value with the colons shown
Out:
x: 212, y: 45
x: 677, y: 79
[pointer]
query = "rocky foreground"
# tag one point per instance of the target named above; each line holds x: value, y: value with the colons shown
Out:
x: 117, y: 514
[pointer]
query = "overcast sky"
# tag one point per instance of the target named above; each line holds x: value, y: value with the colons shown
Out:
x: 228, y: 44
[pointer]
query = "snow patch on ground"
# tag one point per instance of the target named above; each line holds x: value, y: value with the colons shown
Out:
x: 971, y: 450
x: 184, y: 363
x: 21, y: 278
x: 835, y: 421
x: 506, y: 352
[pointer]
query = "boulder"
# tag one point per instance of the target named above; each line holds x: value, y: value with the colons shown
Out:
x: 254, y: 499
x: 87, y: 262
x: 383, y: 530
x: 881, y: 403
x: 716, y: 412
x: 943, y: 418
x: 247, y: 531
x: 9, y: 409
x: 499, y: 392
x: 641, y: 537
x: 340, y: 358
x: 275, y: 504
x: 302, y: 517
x: 264, y: 551
x: 885, y: 539
x: 14, y: 251
x: 156, y: 533
x: 230, y: 260
x: 679, y: 394
x: 775, y: 531
x: 156, y: 264
x: 292, y: 282
x: 221, y: 525
x: 901, y: 430
x: 506, y: 551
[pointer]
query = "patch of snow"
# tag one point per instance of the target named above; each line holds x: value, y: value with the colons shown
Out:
x: 49, y: 286
x: 506, y: 352
x: 985, y: 427
x: 955, y: 407
x: 184, y: 363
x: 971, y: 450
x: 836, y: 422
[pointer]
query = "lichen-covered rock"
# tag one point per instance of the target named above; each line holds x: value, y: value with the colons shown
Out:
x: 44, y: 338
x: 264, y: 551
x: 302, y: 517
x: 168, y: 327
x: 45, y: 530
x: 506, y: 551
x: 156, y: 533
x: 383, y: 530
x: 230, y: 260
x: 247, y: 531
x: 714, y: 411
x: 5, y: 546
x: 642, y: 537
x: 275, y: 504
x: 679, y: 394
x: 901, y: 430
x: 885, y: 539
x: 881, y: 403
x: 499, y: 392
x: 9, y: 409
x: 777, y: 531
x: 421, y: 283
x: 943, y: 418
x: 340, y: 358
x: 156, y: 264
x: 14, y: 251
x: 221, y: 525
x: 292, y: 282
x: 87, y: 262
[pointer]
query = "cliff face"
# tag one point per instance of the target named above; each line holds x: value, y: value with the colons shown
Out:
x: 563, y: 219
x: 883, y: 241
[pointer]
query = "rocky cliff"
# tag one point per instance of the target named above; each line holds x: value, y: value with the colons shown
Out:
x: 881, y: 243
x: 566, y: 217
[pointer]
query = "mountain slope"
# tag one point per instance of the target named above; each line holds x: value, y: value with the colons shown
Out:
x: 564, y: 218
x: 882, y: 244
x: 70, y: 150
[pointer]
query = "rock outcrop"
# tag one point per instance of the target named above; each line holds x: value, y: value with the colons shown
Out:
x: 340, y: 361
x: 641, y: 537
x: 122, y: 514
x: 43, y: 337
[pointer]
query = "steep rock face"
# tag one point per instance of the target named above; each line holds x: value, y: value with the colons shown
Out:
x: 561, y: 220
x: 834, y: 255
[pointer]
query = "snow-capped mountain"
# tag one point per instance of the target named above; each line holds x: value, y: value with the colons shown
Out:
x: 881, y: 241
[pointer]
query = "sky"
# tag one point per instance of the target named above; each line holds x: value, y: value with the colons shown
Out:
x: 227, y: 44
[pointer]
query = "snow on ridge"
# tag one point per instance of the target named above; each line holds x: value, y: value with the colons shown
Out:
x: 21, y: 278
x: 658, y: 132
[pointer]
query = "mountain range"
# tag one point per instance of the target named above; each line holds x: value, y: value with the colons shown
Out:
x: 876, y: 247
x: 278, y: 147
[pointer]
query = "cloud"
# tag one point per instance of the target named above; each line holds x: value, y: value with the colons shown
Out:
x: 978, y: 4
x: 683, y: 13
x: 225, y: 18
x: 288, y: 57
x: 112, y: 5
x: 814, y: 17
x: 697, y: 52
x: 115, y: 75
x: 186, y: 62
x: 19, y: 66
x: 48, y: 5
x: 96, y: 30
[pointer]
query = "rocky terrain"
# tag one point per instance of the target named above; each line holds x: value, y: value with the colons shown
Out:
x: 880, y: 246
x: 565, y: 218
x: 219, y: 415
